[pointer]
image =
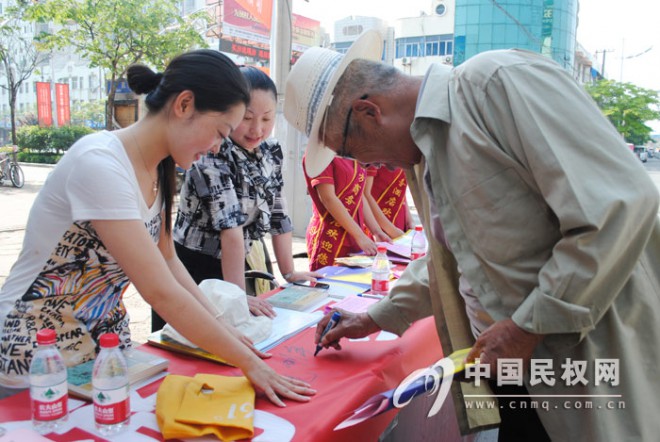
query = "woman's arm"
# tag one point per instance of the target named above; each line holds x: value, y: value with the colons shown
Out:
x: 129, y: 243
x: 410, y: 221
x: 329, y: 199
x: 372, y: 224
x: 233, y: 268
x: 233, y: 256
x: 384, y: 223
x: 282, y: 246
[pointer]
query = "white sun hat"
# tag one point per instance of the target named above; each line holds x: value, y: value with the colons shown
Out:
x: 231, y: 303
x: 309, y: 90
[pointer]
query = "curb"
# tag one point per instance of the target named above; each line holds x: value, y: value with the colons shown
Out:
x: 44, y: 165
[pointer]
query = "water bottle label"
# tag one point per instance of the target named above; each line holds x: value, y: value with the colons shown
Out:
x: 49, y: 403
x: 380, y: 285
x: 416, y: 255
x: 111, y: 406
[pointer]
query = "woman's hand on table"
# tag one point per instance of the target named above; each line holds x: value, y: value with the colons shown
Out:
x: 395, y: 233
x: 381, y: 236
x: 296, y: 276
x: 367, y: 245
x: 260, y: 307
x: 275, y: 386
x: 351, y: 325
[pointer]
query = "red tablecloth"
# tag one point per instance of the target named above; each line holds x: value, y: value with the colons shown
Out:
x: 344, y: 380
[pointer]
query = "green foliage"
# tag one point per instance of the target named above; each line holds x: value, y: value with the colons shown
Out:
x: 18, y: 56
x: 47, y: 144
x: 628, y: 107
x: 89, y: 112
x: 114, y: 34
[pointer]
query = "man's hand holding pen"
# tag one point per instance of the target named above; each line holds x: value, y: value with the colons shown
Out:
x: 352, y: 325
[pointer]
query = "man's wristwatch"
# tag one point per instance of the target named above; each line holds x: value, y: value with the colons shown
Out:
x: 286, y: 276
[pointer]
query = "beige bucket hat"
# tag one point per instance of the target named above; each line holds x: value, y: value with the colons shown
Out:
x: 309, y: 91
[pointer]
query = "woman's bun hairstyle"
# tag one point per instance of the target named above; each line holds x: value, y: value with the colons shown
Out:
x: 141, y: 79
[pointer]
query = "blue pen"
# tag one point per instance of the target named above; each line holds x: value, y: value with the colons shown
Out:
x: 334, y: 320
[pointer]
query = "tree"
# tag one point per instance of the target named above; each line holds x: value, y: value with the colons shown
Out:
x: 114, y: 34
x: 18, y: 58
x: 628, y: 107
x: 90, y: 113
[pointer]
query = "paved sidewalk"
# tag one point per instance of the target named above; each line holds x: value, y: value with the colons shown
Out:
x: 15, y: 206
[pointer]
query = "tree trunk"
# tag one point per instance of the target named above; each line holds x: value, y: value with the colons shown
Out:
x: 13, y: 91
x: 12, y: 113
x: 110, y: 107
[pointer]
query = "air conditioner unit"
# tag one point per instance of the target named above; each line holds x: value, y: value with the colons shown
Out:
x: 406, y: 61
x: 449, y: 59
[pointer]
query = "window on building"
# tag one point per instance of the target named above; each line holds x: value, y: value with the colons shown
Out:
x: 80, y: 82
x: 432, y: 48
x: 352, y: 30
x: 74, y: 83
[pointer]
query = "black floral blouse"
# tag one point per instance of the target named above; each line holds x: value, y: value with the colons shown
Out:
x: 234, y: 188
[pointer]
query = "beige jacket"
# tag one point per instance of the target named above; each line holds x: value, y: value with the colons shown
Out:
x: 554, y: 224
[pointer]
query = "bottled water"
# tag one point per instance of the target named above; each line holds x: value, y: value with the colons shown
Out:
x: 418, y: 246
x: 110, y: 387
x: 380, y: 273
x: 48, y: 386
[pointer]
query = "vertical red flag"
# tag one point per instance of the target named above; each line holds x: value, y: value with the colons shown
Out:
x: 44, y: 108
x: 62, y: 101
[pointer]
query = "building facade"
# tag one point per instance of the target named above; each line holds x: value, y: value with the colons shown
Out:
x: 545, y: 26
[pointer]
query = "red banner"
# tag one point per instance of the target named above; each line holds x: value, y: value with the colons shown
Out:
x: 44, y: 108
x: 262, y: 10
x: 63, y: 106
x: 306, y: 32
x: 240, y: 22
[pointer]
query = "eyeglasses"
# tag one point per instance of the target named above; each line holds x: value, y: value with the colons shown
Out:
x: 343, y: 151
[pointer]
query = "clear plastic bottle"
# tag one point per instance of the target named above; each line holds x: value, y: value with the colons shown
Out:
x: 110, y: 386
x: 48, y: 386
x: 380, y: 273
x: 418, y: 246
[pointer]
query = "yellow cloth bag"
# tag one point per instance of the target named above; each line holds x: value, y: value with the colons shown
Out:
x: 205, y: 404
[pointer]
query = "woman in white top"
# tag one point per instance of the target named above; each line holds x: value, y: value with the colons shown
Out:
x: 103, y: 218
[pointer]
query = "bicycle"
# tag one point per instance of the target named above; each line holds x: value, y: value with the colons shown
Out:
x: 9, y: 169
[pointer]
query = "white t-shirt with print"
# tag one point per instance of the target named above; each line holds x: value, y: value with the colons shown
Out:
x: 64, y: 277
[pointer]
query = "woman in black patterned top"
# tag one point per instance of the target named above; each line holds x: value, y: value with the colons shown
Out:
x: 235, y: 197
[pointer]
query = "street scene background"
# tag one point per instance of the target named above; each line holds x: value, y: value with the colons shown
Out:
x: 15, y: 206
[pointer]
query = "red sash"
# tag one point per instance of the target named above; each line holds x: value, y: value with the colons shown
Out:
x: 389, y: 190
x: 326, y: 238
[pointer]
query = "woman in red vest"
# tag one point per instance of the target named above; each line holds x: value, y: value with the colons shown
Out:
x: 385, y: 192
x: 340, y: 216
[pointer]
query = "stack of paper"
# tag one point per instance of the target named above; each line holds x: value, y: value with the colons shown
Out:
x: 287, y: 324
x: 141, y: 365
x: 345, y: 281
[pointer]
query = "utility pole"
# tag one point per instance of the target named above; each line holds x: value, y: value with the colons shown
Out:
x: 292, y: 142
x: 604, y: 52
